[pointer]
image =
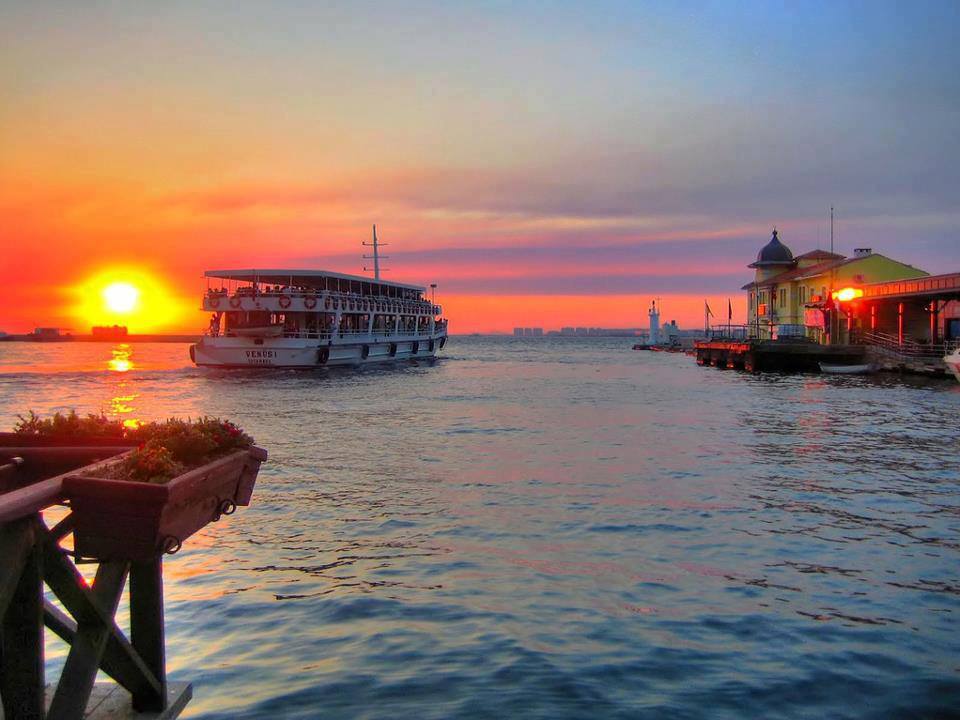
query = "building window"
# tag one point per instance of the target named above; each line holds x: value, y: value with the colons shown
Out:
x: 783, y: 297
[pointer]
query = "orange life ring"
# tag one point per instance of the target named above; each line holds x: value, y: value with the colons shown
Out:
x: 284, y: 301
x: 310, y: 303
x: 234, y: 302
x: 214, y: 302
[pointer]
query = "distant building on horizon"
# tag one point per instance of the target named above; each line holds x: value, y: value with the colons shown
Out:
x: 594, y: 332
x: 109, y: 332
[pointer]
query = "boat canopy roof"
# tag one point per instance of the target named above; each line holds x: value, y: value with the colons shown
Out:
x: 303, y: 278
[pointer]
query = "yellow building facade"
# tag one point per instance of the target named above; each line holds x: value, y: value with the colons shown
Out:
x: 791, y: 296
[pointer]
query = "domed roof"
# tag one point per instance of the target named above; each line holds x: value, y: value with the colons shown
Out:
x: 774, y: 253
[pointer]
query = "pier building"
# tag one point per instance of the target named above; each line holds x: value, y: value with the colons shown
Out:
x: 792, y: 295
x: 824, y: 307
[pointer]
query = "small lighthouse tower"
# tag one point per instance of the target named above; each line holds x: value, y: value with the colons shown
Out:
x: 654, y: 323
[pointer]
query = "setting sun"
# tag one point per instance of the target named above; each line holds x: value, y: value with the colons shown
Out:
x: 120, y: 297
x: 130, y: 296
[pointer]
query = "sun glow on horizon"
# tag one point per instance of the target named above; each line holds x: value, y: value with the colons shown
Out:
x: 128, y: 296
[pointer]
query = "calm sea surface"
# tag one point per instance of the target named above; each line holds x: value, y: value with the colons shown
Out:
x: 553, y: 529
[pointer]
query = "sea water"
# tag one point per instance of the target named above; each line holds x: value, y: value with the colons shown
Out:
x: 553, y: 528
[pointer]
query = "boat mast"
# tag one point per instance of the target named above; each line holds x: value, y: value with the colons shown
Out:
x: 375, y: 257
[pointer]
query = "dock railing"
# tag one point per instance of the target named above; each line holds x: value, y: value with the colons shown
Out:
x: 730, y: 332
x: 908, y: 347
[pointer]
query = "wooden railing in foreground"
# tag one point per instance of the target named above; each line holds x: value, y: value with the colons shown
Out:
x: 33, y: 555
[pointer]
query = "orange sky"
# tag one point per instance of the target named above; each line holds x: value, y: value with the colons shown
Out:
x: 71, y: 240
x: 160, y: 140
x: 66, y: 257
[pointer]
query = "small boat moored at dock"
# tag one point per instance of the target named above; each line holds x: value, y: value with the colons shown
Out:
x: 863, y: 369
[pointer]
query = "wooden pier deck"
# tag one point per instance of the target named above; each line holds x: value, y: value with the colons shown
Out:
x: 774, y: 355
x: 111, y: 702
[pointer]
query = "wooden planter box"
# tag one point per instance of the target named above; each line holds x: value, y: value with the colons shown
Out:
x: 12, y: 439
x: 123, y: 520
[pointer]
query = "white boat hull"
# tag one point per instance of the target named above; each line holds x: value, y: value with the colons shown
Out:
x: 238, y: 352
x: 952, y: 362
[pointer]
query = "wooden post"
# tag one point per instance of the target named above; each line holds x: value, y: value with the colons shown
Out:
x: 89, y: 642
x: 900, y: 324
x: 146, y: 629
x: 21, y: 633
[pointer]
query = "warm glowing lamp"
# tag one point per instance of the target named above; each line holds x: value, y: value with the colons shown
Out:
x: 847, y: 294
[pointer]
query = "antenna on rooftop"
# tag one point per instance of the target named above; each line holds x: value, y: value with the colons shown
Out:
x: 375, y: 257
x: 831, y: 228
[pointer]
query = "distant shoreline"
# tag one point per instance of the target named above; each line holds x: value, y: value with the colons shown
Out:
x: 113, y: 340
x: 29, y: 337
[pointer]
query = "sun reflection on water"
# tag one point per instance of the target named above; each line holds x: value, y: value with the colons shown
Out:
x: 121, y: 362
x: 121, y: 403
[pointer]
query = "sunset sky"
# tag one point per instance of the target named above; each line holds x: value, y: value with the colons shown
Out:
x: 545, y: 163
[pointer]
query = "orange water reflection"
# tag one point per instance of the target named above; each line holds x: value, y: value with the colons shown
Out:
x: 121, y: 362
x: 121, y: 404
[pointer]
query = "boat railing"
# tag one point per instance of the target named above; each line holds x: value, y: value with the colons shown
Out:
x: 360, y: 303
x: 377, y: 333
x: 389, y: 333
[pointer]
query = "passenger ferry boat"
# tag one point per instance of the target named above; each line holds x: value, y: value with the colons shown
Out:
x: 310, y: 318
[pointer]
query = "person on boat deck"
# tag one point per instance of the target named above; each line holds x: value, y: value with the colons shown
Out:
x: 215, y: 325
